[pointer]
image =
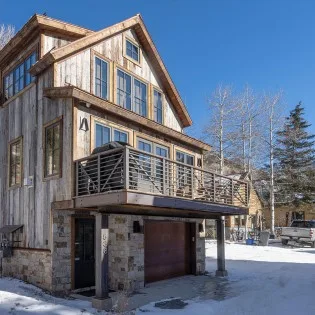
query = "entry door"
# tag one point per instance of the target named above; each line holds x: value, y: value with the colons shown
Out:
x: 84, y: 261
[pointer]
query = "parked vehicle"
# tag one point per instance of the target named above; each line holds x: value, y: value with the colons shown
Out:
x: 300, y: 231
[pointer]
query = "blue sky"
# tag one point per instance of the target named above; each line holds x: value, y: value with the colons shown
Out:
x: 266, y: 43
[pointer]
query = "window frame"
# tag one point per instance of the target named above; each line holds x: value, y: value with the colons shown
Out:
x: 186, y: 154
x: 133, y: 78
x: 111, y: 131
x: 107, y: 76
x: 153, y: 146
x: 26, y: 75
x: 51, y: 124
x: 134, y: 43
x: 10, y: 144
x: 154, y: 89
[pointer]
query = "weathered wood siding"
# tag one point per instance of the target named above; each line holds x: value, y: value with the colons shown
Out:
x: 53, y: 42
x: 77, y: 70
x: 25, y: 116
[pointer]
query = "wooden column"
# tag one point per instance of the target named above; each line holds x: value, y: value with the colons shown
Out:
x: 101, y: 301
x: 221, y: 272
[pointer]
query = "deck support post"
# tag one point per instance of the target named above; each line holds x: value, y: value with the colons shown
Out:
x: 101, y: 301
x: 221, y: 272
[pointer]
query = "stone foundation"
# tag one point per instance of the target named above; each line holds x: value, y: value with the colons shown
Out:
x: 52, y: 271
x: 30, y: 265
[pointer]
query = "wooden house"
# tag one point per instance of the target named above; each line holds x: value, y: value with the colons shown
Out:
x: 121, y: 217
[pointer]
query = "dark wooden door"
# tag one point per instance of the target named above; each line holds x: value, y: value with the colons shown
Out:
x: 167, y: 250
x: 84, y: 260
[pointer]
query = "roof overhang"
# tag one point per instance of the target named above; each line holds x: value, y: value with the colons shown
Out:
x: 83, y: 96
x: 137, y: 24
x: 36, y: 24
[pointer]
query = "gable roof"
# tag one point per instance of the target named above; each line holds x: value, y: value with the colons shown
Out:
x: 137, y: 24
x: 32, y: 27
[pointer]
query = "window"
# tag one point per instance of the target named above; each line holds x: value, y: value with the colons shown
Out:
x: 158, y: 107
x: 184, y: 173
x: 105, y: 134
x: 102, y: 135
x: 19, y: 78
x: 8, y: 86
x: 123, y: 89
x: 152, y: 147
x: 53, y: 145
x: 120, y: 136
x: 131, y: 93
x: 184, y: 158
x: 101, y: 78
x: 132, y: 51
x: 140, y: 98
x: 15, y: 163
x: 28, y: 63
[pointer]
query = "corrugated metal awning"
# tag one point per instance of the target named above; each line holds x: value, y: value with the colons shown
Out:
x: 10, y: 228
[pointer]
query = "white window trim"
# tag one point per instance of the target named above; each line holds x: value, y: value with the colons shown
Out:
x: 108, y: 77
x: 111, y: 132
x: 132, y: 91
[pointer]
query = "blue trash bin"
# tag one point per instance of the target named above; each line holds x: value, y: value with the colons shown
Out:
x: 249, y: 241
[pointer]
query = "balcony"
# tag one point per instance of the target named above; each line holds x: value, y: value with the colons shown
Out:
x: 126, y: 176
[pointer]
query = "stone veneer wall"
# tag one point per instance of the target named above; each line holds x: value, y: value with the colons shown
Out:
x: 126, y: 251
x: 30, y: 265
x: 61, y: 251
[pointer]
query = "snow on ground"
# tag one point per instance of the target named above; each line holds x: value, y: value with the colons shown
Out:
x: 17, y: 297
x: 262, y: 280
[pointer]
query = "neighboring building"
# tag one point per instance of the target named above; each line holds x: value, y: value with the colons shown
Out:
x: 285, y: 214
x: 121, y: 218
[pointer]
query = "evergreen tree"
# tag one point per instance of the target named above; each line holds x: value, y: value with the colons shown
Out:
x: 295, y: 157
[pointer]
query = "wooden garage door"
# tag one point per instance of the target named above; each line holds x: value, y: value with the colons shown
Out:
x: 167, y: 250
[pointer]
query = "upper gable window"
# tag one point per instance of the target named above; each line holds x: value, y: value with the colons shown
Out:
x: 17, y: 79
x: 132, y: 50
x: 101, y: 78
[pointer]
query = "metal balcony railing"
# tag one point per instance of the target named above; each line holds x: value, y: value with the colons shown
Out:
x: 133, y: 170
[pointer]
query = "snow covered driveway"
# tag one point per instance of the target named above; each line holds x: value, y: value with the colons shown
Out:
x: 262, y: 280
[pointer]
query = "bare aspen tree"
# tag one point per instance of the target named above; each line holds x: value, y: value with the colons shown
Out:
x: 6, y: 33
x: 272, y: 105
x: 220, y: 130
x: 248, y: 112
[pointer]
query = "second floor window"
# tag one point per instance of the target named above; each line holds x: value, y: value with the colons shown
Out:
x: 158, y: 107
x: 53, y: 145
x: 17, y: 79
x: 101, y: 78
x: 131, y: 93
x: 105, y: 134
x: 15, y: 163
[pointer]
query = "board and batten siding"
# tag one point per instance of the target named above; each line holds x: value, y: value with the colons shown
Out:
x: 76, y: 71
x: 50, y: 42
x: 25, y: 116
